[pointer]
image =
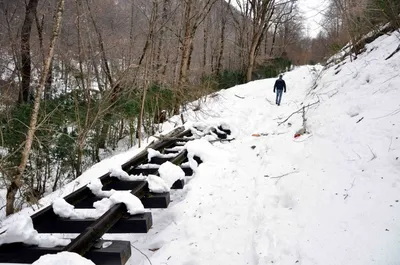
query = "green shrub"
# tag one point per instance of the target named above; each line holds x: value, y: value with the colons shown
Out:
x: 225, y: 80
x: 272, y: 68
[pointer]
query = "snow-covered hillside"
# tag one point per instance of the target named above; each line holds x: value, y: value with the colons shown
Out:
x: 329, y: 197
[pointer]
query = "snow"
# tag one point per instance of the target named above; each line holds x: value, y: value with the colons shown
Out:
x: 323, y: 198
x: 133, y: 204
x: 19, y: 228
x: 154, y: 153
x: 148, y: 166
x: 64, y: 258
x: 96, y: 188
x: 205, y: 151
x: 122, y: 175
x: 157, y: 184
x: 170, y: 173
x: 119, y: 173
x: 66, y: 210
x: 326, y: 198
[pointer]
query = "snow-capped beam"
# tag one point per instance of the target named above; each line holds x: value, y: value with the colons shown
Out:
x: 142, y: 157
x: 103, y: 253
x: 151, y: 171
x: 41, y: 219
x: 149, y: 200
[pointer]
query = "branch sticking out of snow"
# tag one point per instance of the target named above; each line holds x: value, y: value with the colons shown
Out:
x: 298, y: 111
x: 21, y: 230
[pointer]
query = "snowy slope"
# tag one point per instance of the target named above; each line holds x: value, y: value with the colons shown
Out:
x: 338, y: 203
x: 330, y: 197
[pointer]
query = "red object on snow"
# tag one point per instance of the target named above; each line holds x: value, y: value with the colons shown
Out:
x: 297, y: 135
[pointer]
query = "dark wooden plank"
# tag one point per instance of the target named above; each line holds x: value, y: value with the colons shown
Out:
x: 140, y: 223
x: 227, y: 131
x: 179, y: 184
x: 112, y: 221
x: 124, y: 185
x: 143, y: 171
x: 156, y: 200
x: 219, y: 133
x: 117, y: 253
x: 73, y: 198
x: 188, y: 171
x: 198, y: 160
x: 41, y: 218
x: 159, y: 160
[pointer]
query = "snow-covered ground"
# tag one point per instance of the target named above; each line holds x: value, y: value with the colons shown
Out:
x: 329, y: 197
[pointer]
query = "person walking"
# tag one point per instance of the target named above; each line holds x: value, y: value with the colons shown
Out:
x: 279, y: 87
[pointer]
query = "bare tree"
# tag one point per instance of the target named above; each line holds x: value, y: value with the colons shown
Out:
x: 16, y: 181
x: 30, y: 12
x: 194, y: 14
x: 223, y: 21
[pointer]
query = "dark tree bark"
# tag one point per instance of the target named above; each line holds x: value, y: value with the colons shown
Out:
x: 26, y: 51
x: 221, y: 40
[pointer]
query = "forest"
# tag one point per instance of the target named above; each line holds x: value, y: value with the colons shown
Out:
x: 77, y: 77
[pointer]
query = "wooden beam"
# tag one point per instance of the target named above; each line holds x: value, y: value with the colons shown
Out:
x: 117, y: 253
x: 112, y: 221
x: 149, y: 200
x: 140, y: 223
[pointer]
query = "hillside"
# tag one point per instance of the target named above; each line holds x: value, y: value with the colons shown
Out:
x: 328, y: 197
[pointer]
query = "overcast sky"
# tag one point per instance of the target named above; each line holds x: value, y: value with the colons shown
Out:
x: 312, y: 12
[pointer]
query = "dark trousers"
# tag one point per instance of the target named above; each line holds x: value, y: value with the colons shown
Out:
x: 279, y: 93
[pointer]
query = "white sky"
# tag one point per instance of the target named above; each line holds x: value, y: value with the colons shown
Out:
x: 312, y: 12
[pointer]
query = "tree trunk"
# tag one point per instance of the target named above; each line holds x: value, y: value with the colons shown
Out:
x: 106, y: 66
x: 271, y: 52
x: 49, y: 82
x: 221, y: 43
x: 184, y: 64
x: 26, y: 51
x: 192, y: 18
x: 205, y: 45
x: 149, y: 43
x: 160, y: 69
x: 107, y: 71
x: 251, y: 60
x: 17, y: 175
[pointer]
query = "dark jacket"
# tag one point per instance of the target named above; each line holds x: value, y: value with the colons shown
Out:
x: 280, y: 84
